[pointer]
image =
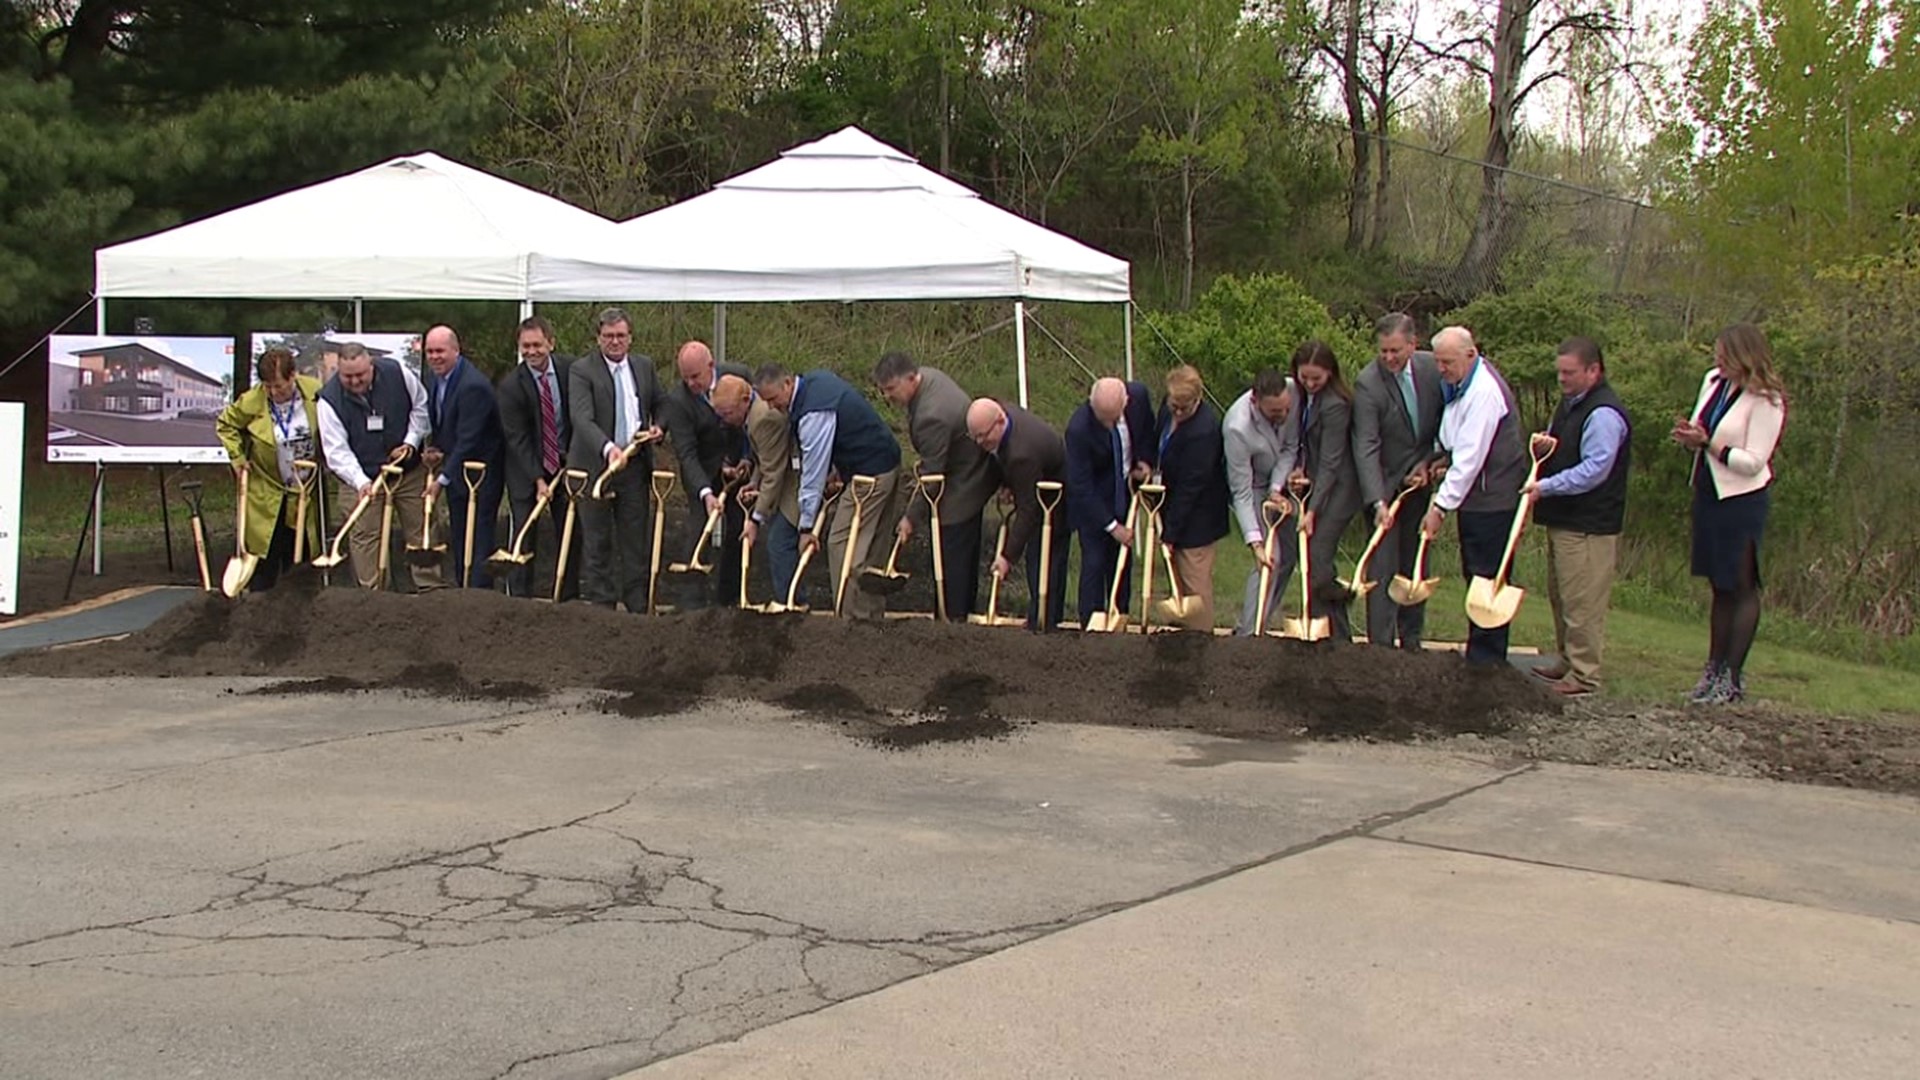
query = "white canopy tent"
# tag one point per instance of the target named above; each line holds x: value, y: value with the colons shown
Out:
x: 419, y: 227
x: 844, y: 218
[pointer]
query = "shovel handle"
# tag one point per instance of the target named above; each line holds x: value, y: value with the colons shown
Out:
x: 932, y: 486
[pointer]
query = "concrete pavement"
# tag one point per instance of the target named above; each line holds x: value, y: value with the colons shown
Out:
x: 201, y: 883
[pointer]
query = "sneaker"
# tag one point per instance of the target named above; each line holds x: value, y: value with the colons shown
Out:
x: 1719, y: 690
x: 1707, y: 675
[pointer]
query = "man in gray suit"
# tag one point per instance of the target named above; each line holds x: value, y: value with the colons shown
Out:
x: 613, y: 396
x: 937, y: 427
x: 1396, y: 418
x: 1262, y: 445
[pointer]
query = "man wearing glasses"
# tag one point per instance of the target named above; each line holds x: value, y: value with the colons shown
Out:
x: 614, y: 399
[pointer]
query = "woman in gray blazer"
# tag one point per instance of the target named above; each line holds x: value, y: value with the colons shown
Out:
x: 1326, y: 463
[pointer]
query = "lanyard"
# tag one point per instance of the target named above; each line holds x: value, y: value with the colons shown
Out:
x: 283, y: 424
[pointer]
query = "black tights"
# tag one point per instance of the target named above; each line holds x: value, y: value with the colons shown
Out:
x: 1736, y: 618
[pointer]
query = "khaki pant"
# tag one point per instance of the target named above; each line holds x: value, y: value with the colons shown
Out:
x: 409, y: 513
x: 879, y: 514
x: 1579, y: 586
x: 1193, y: 568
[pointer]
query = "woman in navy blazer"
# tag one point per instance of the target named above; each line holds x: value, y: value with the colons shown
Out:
x: 1735, y: 426
x: 1193, y: 468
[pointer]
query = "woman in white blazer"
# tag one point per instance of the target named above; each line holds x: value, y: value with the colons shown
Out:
x: 1732, y: 433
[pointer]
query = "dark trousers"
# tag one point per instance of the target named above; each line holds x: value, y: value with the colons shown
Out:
x: 536, y: 578
x: 1056, y: 574
x: 279, y: 556
x: 1389, y: 624
x: 1098, y: 554
x: 1483, y: 541
x: 783, y: 553
x: 960, y: 560
x: 721, y: 587
x: 617, y: 540
x: 1323, y: 550
x: 487, y: 509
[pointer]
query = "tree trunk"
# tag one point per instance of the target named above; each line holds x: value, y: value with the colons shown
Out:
x: 1356, y: 129
x: 1377, y: 238
x: 946, y: 125
x: 1479, y: 265
x: 88, y: 34
x: 1186, y: 238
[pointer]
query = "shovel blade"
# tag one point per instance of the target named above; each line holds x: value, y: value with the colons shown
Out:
x: 880, y: 583
x: 423, y: 557
x: 507, y: 560
x: 1491, y: 605
x: 239, y: 571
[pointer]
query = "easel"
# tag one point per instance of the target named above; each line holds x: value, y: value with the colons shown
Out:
x: 91, y: 524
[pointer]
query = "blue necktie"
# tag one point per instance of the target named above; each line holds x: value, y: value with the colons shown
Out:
x: 622, y: 434
x: 1406, y: 395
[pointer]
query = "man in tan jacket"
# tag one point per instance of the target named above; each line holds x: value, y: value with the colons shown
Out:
x: 775, y: 489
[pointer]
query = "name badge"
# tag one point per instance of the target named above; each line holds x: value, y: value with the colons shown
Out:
x: 376, y: 423
x: 794, y: 462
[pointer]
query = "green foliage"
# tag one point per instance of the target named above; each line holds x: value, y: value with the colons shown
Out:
x: 1521, y: 330
x: 1242, y: 325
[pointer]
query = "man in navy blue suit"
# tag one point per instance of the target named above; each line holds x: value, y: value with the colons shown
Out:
x: 1110, y: 447
x: 466, y: 427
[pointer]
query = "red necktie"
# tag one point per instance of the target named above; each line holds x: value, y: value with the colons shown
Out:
x: 549, y: 431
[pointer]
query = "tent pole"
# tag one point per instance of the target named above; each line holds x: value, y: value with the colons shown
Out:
x: 359, y: 313
x: 100, y: 316
x: 1020, y: 345
x: 526, y: 309
x: 1128, y: 312
x: 720, y: 333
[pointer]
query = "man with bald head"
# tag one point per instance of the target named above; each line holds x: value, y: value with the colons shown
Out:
x: 1025, y: 451
x: 772, y: 494
x: 1485, y: 466
x: 711, y: 455
x: 466, y: 428
x: 373, y: 412
x: 1111, y: 446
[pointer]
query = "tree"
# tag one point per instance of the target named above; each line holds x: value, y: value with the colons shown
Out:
x: 1516, y: 48
x: 1373, y: 61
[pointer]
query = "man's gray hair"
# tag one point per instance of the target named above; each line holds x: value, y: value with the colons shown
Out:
x: 1396, y: 324
x: 609, y: 316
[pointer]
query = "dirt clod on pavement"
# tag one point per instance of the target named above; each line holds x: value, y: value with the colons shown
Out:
x: 906, y: 683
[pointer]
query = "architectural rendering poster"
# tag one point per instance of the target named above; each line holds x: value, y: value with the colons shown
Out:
x: 137, y: 400
x: 318, y: 354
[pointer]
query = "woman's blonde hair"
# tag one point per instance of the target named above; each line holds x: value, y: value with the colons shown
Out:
x: 1184, y: 385
x: 1746, y: 352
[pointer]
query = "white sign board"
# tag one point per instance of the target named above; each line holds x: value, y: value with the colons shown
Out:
x: 13, y: 460
x: 137, y: 400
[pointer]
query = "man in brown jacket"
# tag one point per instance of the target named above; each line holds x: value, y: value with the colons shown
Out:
x: 775, y: 489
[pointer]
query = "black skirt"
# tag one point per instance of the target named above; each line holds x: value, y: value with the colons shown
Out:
x: 1723, y: 529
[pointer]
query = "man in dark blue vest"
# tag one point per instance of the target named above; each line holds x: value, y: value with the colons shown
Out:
x: 1581, y: 499
x: 373, y: 412
x: 838, y: 430
x: 466, y: 430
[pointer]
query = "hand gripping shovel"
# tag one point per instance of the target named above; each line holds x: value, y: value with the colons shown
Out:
x: 619, y: 463
x: 792, y: 602
x: 1114, y: 619
x: 1493, y: 602
x: 662, y: 481
x: 426, y: 552
x: 860, y: 489
x: 305, y: 473
x: 1359, y: 587
x: 576, y: 481
x: 388, y: 474
x: 1271, y: 516
x: 1308, y: 627
x: 1047, y: 493
x: 240, y: 568
x: 334, y: 557
x: 191, y: 489
x: 932, y: 486
x: 993, y: 616
x: 518, y: 555
x: 1409, y: 591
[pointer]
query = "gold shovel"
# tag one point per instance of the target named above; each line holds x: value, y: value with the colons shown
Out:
x: 662, y: 481
x: 693, y: 565
x: 576, y: 481
x: 1359, y: 587
x: 240, y: 568
x: 1179, y: 609
x: 507, y: 558
x: 1308, y: 627
x: 426, y: 552
x: 859, y: 490
x: 1114, y: 619
x: 1152, y: 495
x: 304, y: 475
x: 475, y: 473
x: 191, y: 489
x: 792, y: 603
x: 626, y: 455
x: 1047, y: 493
x: 1493, y: 602
x: 388, y: 474
x: 1410, y: 591
x: 932, y: 486
x: 889, y: 579
x: 1271, y: 516
x: 993, y: 616
x: 335, y: 557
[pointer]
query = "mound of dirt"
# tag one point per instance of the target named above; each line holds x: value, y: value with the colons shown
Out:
x: 474, y: 643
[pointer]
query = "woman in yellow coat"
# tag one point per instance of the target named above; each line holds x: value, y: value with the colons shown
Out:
x: 265, y: 431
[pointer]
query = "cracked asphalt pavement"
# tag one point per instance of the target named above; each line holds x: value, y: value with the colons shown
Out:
x: 211, y: 884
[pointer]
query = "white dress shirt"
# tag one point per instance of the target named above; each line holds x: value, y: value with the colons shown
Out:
x: 1467, y: 427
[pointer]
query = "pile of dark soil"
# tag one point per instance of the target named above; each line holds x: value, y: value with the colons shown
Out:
x: 973, y: 678
x: 426, y: 680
